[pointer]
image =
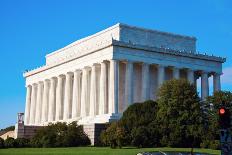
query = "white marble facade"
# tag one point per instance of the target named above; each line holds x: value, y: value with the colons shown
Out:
x: 93, y: 80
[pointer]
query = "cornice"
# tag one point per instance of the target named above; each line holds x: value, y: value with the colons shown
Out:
x: 106, y: 44
x: 169, y: 51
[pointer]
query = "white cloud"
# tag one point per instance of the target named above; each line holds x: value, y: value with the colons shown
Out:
x: 226, y: 78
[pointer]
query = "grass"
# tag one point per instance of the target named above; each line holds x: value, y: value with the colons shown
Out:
x: 95, y: 151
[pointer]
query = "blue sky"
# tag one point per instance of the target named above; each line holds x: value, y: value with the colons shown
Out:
x: 31, y: 29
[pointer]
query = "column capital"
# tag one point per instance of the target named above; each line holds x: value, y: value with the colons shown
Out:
x: 46, y: 80
x: 61, y: 76
x: 204, y: 72
x: 77, y: 71
x: 191, y: 69
x: 28, y: 86
x: 87, y: 68
x: 216, y: 73
x: 69, y: 73
x: 176, y: 67
x: 34, y: 84
x: 161, y: 65
x: 40, y: 82
x: 53, y: 78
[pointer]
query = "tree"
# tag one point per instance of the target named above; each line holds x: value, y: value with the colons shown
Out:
x: 211, y: 106
x: 179, y: 116
x: 137, y: 127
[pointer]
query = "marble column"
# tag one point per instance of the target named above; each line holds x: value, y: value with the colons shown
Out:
x: 190, y: 76
x: 52, y: 101
x: 216, y: 82
x: 68, y: 96
x: 113, y: 104
x: 45, y: 101
x: 161, y: 75
x: 93, y: 92
x: 204, y: 85
x: 145, y: 82
x: 84, y: 92
x: 59, y: 98
x: 103, y: 89
x: 33, y: 104
x: 129, y: 84
x: 176, y: 73
x: 76, y: 104
x: 39, y: 103
x: 28, y: 105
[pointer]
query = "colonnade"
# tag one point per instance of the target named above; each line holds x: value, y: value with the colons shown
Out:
x: 94, y: 90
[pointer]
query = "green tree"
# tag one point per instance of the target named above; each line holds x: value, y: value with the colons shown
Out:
x: 211, y: 106
x: 179, y: 117
x: 137, y: 127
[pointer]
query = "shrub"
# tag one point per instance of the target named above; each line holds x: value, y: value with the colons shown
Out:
x: 21, y: 142
x: 1, y: 143
x: 114, y: 136
x: 60, y: 135
x: 211, y: 144
x: 9, y: 142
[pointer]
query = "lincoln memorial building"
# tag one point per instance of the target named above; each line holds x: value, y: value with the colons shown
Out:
x: 93, y: 80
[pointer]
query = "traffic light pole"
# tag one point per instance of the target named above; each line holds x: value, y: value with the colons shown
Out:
x: 226, y: 142
x: 225, y: 135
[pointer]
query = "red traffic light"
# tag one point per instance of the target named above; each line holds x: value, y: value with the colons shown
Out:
x: 222, y: 111
x: 224, y: 118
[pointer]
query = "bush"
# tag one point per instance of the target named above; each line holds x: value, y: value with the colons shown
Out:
x: 114, y: 136
x: 60, y: 135
x: 215, y: 144
x: 1, y: 143
x: 9, y: 142
x: 21, y: 142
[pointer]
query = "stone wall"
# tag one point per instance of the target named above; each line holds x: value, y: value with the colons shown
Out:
x: 154, y: 38
x: 93, y: 131
x: 23, y: 131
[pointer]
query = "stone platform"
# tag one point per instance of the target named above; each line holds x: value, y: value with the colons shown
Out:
x: 93, y: 131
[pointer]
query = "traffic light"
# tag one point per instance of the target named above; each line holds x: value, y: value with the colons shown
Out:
x: 224, y: 118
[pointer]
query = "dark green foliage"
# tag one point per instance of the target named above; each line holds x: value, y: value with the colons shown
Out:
x: 212, y: 144
x: 114, y: 136
x: 211, y: 106
x: 75, y: 136
x: 60, y: 135
x: 1, y: 143
x: 10, y: 128
x: 9, y: 142
x: 179, y: 116
x: 176, y: 120
x: 139, y: 114
x: 21, y: 142
x: 136, y: 127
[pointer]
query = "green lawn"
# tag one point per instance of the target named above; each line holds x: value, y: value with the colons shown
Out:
x: 93, y: 151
